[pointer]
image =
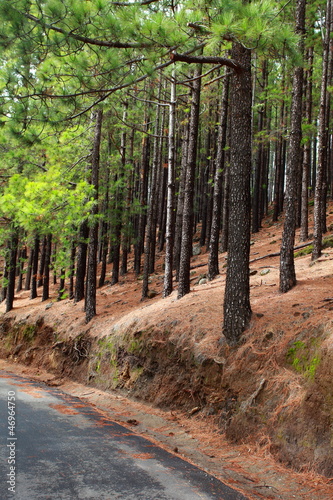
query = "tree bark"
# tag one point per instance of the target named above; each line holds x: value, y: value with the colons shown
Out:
x: 170, y: 220
x: 237, y: 309
x: 33, y: 293
x: 46, y: 276
x: 11, y: 271
x: 187, y: 223
x: 287, y: 264
x: 319, y: 214
x: 90, y: 302
x: 213, y: 260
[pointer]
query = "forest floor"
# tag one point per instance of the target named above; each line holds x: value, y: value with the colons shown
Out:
x: 167, y: 407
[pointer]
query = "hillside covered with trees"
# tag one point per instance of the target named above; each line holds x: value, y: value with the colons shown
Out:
x: 136, y: 134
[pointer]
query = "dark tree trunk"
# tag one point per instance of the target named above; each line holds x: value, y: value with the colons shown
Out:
x: 287, y: 264
x: 29, y: 270
x: 104, y: 252
x: 22, y: 259
x: 151, y: 216
x: 81, y: 263
x: 306, y: 166
x: 33, y: 293
x: 90, y: 299
x: 4, y: 283
x: 11, y: 271
x: 72, y: 272
x: 180, y: 201
x: 213, y: 261
x: 47, y: 262
x: 237, y: 309
x: 143, y: 190
x: 187, y: 224
x: 119, y: 206
x: 41, y: 263
x: 319, y: 213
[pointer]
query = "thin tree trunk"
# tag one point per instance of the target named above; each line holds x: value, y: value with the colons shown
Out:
x: 187, y: 224
x: 81, y: 262
x: 287, y: 264
x: 180, y: 201
x: 150, y: 227
x: 46, y: 277
x: 213, y: 260
x: 11, y: 271
x: 170, y: 220
x: 319, y: 214
x: 304, y: 233
x: 90, y: 299
x: 33, y: 293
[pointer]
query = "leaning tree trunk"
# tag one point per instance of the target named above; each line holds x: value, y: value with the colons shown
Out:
x: 287, y: 264
x: 90, y: 299
x: 187, y: 224
x: 237, y: 309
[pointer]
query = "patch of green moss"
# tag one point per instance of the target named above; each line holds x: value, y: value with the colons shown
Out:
x: 304, y: 358
x: 29, y: 332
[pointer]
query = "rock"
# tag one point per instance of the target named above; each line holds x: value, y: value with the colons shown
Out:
x: 48, y: 306
x: 264, y: 272
x: 203, y: 281
x: 253, y: 272
x: 151, y: 294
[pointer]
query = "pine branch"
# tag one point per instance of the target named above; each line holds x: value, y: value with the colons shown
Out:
x: 223, y: 61
x: 85, y: 39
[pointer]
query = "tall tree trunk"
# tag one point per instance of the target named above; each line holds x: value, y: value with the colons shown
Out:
x: 11, y: 271
x: 41, y: 263
x: 237, y: 309
x: 170, y: 220
x: 287, y: 264
x: 187, y: 224
x: 33, y: 293
x: 319, y: 214
x: 306, y: 166
x: 72, y: 272
x: 29, y: 270
x: 143, y: 190
x: 119, y: 206
x: 90, y: 299
x: 213, y: 260
x: 180, y: 200
x: 151, y: 216
x: 47, y: 262
x: 81, y: 262
x: 22, y: 259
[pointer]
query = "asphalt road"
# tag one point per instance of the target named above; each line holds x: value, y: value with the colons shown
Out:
x: 55, y: 446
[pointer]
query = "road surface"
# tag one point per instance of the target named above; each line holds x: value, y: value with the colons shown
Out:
x: 55, y: 446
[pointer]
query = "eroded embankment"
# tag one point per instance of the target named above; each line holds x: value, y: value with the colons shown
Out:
x: 276, y: 390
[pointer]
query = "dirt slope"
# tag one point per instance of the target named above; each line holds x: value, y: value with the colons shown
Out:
x: 268, y: 401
